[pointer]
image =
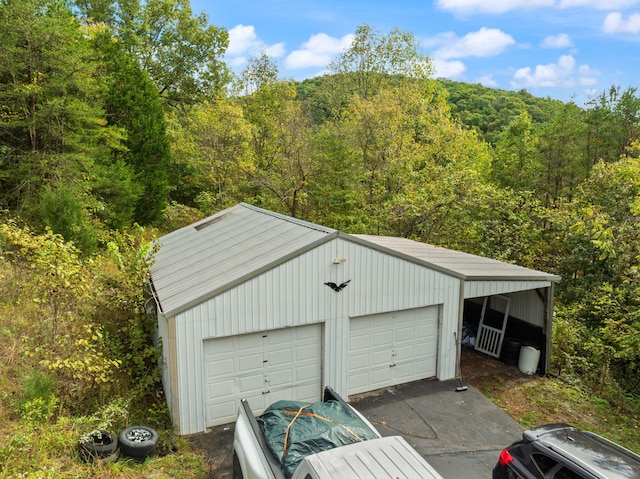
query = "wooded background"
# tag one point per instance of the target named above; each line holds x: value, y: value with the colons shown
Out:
x: 119, y: 121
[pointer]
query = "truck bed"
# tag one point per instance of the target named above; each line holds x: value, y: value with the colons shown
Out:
x: 314, y: 451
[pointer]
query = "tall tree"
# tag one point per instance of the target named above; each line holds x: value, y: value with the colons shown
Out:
x: 562, y: 162
x: 613, y: 120
x: 281, y: 139
x: 133, y: 104
x: 180, y: 51
x: 374, y: 60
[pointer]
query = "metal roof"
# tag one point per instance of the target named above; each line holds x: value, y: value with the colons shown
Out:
x: 462, y: 265
x: 197, y: 262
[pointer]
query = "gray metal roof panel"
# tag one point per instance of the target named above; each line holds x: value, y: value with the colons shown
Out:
x: 199, y: 260
x: 464, y: 265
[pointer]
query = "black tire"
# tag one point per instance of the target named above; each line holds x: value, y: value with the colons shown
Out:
x: 99, y: 448
x: 138, y: 442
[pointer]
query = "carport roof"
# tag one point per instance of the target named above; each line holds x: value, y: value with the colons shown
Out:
x: 201, y: 260
x: 463, y: 265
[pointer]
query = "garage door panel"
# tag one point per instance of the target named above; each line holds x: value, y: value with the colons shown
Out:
x: 249, y: 383
x: 220, y: 368
x: 280, y: 357
x: 405, y: 352
x: 360, y: 361
x: 242, y: 343
x: 380, y: 358
x: 406, y: 334
x: 359, y: 343
x: 402, y: 348
x: 381, y: 377
x: 380, y: 338
x: 248, y: 363
x: 285, y: 363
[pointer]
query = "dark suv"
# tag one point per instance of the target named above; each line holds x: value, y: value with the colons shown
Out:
x: 560, y: 451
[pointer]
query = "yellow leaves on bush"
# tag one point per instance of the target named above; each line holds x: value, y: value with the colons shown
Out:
x: 84, y: 362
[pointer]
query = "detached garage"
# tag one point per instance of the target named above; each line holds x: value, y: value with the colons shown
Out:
x: 254, y: 304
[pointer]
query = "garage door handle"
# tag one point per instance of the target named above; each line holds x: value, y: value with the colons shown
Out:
x: 392, y: 365
x: 265, y: 392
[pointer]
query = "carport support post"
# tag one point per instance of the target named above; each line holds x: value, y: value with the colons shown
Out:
x: 548, y: 323
x: 458, y: 333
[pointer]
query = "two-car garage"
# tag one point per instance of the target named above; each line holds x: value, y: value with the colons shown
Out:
x: 248, y: 308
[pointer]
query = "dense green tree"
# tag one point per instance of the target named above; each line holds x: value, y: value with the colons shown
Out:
x: 598, y: 261
x: 613, y: 121
x: 562, y: 162
x: 375, y: 60
x: 133, y: 105
x: 180, y: 51
x: 211, y: 155
x: 515, y: 163
x: 52, y: 129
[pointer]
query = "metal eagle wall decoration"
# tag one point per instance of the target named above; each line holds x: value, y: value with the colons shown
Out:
x: 338, y: 287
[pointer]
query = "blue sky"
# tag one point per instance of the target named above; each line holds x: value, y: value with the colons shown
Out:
x: 564, y: 49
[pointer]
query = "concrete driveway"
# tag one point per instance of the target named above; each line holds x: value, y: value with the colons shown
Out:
x: 460, y: 433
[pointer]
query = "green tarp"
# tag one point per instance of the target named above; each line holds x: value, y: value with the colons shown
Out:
x: 312, y: 427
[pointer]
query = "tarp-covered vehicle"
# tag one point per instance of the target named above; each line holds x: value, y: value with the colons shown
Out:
x: 328, y: 439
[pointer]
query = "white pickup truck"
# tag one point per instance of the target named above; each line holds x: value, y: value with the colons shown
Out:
x: 327, y: 440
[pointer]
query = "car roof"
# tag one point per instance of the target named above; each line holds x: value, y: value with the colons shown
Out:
x: 594, y: 453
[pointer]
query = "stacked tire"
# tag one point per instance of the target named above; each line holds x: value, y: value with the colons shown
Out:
x: 138, y: 442
x: 99, y: 447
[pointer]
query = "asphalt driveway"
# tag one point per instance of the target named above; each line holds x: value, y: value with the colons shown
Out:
x: 460, y: 433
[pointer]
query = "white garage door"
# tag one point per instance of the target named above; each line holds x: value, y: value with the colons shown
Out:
x: 262, y: 367
x: 392, y: 348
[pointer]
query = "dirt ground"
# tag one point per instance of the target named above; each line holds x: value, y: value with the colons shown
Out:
x: 477, y: 369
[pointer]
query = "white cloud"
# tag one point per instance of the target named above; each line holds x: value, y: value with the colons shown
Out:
x: 565, y: 73
x: 486, y: 42
x: 614, y: 23
x: 318, y: 51
x: 448, y: 69
x: 562, y: 40
x: 488, y: 81
x: 243, y: 42
x: 598, y: 4
x: 465, y: 7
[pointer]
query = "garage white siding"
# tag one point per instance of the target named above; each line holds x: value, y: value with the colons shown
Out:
x: 263, y: 368
x: 293, y: 294
x: 392, y: 348
x: 480, y: 289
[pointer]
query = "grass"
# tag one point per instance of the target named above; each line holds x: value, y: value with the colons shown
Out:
x: 540, y: 400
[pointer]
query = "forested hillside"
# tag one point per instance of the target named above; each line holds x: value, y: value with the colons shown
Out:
x: 119, y: 121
